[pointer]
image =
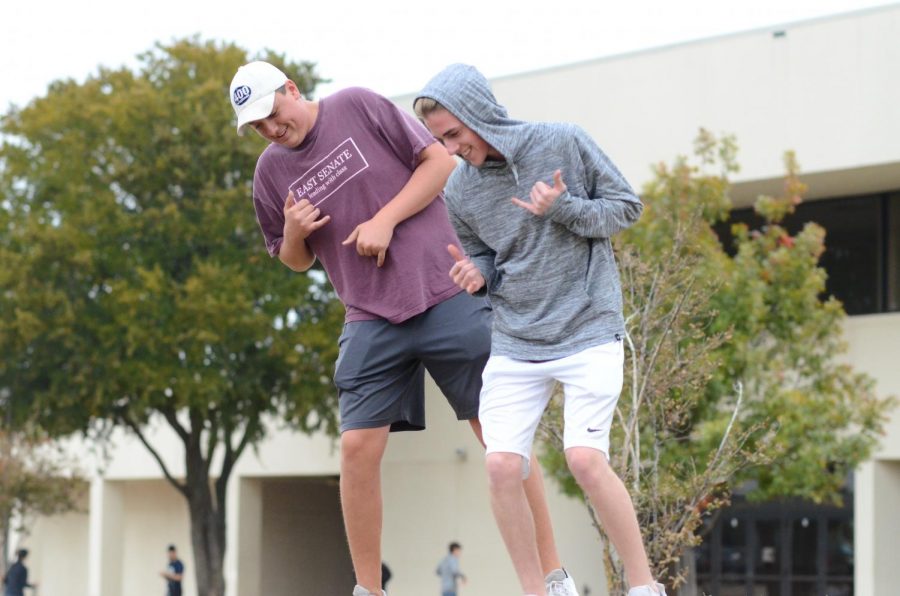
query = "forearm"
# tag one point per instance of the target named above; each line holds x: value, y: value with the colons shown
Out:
x: 485, y: 264
x: 604, y: 203
x: 597, y: 218
x: 475, y: 249
x: 296, y: 254
x: 426, y: 181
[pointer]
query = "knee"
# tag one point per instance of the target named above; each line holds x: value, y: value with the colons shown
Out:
x: 587, y: 465
x: 504, y: 469
x: 359, y: 448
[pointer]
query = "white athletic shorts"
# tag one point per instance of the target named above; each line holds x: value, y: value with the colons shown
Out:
x: 516, y: 392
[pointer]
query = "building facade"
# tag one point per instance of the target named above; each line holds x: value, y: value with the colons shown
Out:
x: 829, y: 89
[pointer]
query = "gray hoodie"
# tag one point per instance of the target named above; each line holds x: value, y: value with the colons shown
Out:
x: 552, y: 280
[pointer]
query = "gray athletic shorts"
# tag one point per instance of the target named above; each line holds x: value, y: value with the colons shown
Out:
x: 380, y: 370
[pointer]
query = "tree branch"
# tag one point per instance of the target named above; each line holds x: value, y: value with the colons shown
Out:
x: 182, y: 488
x: 172, y: 418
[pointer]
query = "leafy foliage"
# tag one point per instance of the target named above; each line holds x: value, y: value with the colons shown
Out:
x: 135, y: 281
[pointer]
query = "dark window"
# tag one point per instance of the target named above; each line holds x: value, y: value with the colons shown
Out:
x: 804, y: 546
x: 734, y: 547
x: 785, y: 548
x: 862, y: 247
x: 839, y: 549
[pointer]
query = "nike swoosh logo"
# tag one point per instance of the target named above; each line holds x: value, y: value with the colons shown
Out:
x: 594, y: 430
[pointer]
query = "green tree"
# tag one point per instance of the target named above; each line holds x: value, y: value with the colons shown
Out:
x: 731, y: 370
x: 135, y: 284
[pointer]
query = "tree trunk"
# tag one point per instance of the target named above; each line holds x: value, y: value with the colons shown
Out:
x: 208, y: 542
x: 207, y: 512
x: 206, y: 497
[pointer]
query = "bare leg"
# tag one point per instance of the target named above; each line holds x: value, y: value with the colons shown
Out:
x: 613, y: 504
x: 361, y: 453
x: 514, y: 519
x: 537, y: 501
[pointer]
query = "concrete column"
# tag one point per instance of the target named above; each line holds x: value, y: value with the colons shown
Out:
x: 885, y: 519
x: 245, y: 522
x: 105, y: 539
x: 864, y: 529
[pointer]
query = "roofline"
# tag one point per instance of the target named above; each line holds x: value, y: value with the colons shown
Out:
x: 680, y: 44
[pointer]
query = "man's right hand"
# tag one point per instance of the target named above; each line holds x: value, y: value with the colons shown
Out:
x: 464, y: 272
x: 301, y: 218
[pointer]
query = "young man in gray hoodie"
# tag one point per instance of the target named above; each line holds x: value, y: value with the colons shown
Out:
x: 534, y: 205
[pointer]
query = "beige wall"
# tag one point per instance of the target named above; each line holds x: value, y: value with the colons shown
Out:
x: 886, y: 512
x: 154, y: 516
x: 245, y: 536
x: 304, y: 550
x: 133, y: 523
x: 877, y: 527
x: 874, y: 348
x: 874, y: 345
x: 59, y: 563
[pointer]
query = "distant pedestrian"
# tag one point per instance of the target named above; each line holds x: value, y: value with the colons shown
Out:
x: 174, y: 573
x: 16, y: 579
x: 448, y: 570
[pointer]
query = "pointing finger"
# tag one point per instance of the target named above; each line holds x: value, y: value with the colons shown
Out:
x: 352, y: 237
x: 381, y: 255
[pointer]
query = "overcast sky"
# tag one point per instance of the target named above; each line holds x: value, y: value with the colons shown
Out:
x: 391, y: 46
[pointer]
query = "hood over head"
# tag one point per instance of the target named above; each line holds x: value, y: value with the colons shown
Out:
x: 466, y: 94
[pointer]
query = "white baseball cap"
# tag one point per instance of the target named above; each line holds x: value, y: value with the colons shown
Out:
x: 253, y: 92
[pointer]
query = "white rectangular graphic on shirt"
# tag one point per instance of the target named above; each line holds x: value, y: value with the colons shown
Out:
x: 330, y: 173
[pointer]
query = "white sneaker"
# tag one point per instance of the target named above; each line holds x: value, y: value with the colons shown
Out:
x: 647, y: 591
x: 358, y: 590
x: 560, y: 583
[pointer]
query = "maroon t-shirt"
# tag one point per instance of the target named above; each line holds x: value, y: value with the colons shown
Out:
x: 359, y: 154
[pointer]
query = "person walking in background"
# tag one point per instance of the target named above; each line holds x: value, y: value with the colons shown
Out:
x: 448, y: 570
x: 535, y: 206
x: 16, y: 579
x: 174, y: 572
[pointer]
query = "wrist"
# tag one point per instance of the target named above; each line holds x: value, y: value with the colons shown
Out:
x: 385, y: 217
x: 556, y: 207
x: 293, y: 236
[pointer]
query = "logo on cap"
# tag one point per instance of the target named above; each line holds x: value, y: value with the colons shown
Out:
x: 241, y: 95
